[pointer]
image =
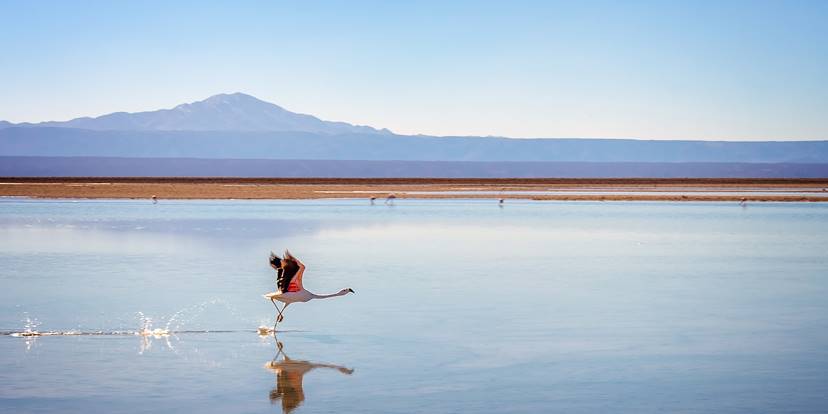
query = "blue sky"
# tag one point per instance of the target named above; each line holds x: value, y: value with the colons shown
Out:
x: 742, y: 70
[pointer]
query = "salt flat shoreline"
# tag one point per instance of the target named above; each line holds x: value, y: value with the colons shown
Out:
x: 632, y: 189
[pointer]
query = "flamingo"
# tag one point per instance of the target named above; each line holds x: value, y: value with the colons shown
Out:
x: 290, y: 289
x: 390, y: 199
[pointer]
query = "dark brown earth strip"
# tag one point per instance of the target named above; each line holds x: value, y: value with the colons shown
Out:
x: 310, y: 188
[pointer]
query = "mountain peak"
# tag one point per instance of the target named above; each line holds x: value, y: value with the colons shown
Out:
x: 223, y: 112
x: 233, y: 97
x: 228, y: 99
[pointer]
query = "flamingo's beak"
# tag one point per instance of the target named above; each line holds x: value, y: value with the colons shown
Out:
x: 351, y: 290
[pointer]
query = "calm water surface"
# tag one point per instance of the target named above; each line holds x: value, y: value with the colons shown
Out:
x: 460, y: 306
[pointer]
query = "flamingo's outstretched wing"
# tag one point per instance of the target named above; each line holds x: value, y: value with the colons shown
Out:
x: 283, y: 280
x: 295, y: 282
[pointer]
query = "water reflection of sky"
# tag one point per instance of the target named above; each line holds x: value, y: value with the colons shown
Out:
x: 461, y: 306
x: 607, y: 192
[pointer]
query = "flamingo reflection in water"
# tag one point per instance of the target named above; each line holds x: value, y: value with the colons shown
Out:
x: 289, y: 376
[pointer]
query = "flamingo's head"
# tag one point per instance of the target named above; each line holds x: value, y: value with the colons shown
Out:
x: 347, y: 290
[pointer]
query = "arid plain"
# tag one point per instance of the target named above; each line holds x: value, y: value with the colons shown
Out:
x: 796, y: 190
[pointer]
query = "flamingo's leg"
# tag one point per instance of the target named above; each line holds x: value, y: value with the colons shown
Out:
x: 276, y: 306
x: 281, y: 316
x: 279, y: 347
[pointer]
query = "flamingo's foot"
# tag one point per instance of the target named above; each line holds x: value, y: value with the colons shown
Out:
x: 280, y: 318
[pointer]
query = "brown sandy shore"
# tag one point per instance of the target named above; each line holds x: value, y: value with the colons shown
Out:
x: 313, y: 188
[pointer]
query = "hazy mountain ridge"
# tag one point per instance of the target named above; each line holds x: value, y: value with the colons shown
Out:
x: 57, y: 142
x: 241, y: 127
x: 223, y: 112
x: 199, y: 167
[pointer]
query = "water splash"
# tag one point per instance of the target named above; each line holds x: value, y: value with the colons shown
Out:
x: 30, y: 331
x: 189, y: 314
x: 30, y: 328
x: 147, y: 333
x: 145, y: 327
x: 31, y: 324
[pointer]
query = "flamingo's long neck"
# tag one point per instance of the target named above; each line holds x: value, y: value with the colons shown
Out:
x: 342, y: 293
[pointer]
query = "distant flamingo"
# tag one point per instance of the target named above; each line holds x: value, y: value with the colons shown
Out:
x: 390, y: 199
x: 289, y: 284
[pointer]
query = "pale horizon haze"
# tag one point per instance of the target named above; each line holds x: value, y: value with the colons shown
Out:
x: 733, y: 70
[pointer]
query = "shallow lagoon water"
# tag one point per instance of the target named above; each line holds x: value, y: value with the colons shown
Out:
x: 461, y: 306
x: 819, y: 193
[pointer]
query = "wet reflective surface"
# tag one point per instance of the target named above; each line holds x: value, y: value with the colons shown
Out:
x: 290, y: 377
x: 461, y: 306
x: 634, y: 191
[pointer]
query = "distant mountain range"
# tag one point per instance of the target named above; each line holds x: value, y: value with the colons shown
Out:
x: 224, y: 112
x: 239, y: 127
x: 200, y: 167
x: 74, y: 142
